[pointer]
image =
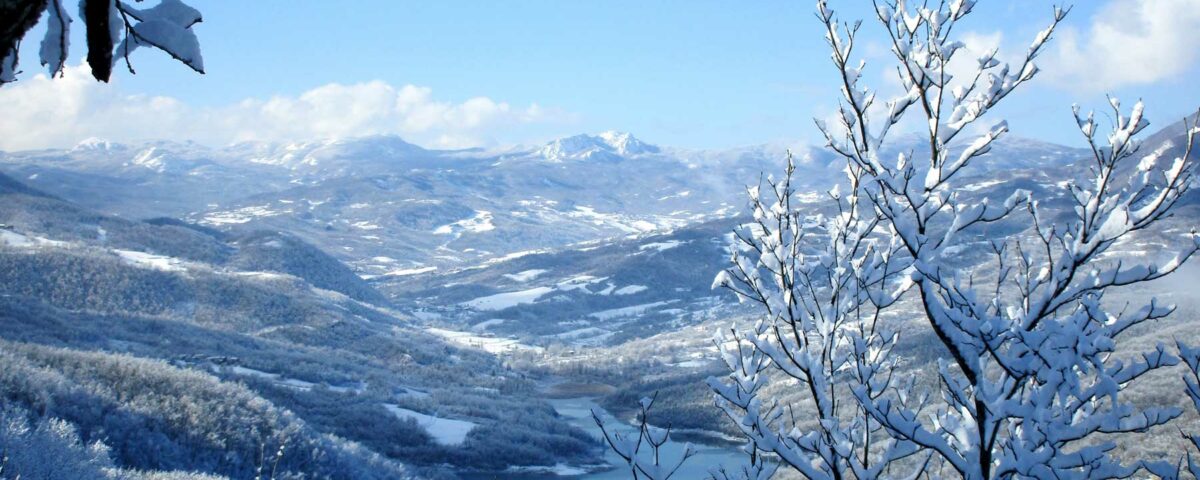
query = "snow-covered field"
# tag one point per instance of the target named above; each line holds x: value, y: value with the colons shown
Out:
x: 502, y: 301
x: 241, y: 215
x: 628, y: 311
x: 631, y: 289
x: 482, y: 342
x: 401, y: 272
x: 661, y: 246
x: 617, y: 221
x: 14, y: 239
x: 152, y: 261
x: 481, y: 222
x: 286, y: 382
x: 524, y: 276
x: 443, y: 430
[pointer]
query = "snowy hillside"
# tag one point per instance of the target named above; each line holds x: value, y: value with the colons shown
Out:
x: 312, y: 342
x: 346, y: 281
x: 389, y: 208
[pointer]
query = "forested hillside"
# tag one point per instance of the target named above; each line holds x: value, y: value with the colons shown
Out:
x: 277, y: 340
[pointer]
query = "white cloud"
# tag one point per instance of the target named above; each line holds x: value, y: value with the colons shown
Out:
x: 42, y: 112
x: 1129, y: 42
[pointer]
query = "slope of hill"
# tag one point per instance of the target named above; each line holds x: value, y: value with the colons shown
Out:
x: 387, y: 207
x: 383, y: 293
x: 606, y: 292
x: 238, y: 309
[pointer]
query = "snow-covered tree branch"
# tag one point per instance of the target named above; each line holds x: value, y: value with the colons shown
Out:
x: 1031, y: 382
x: 114, y: 30
x: 642, y: 450
x: 822, y: 283
x: 1032, y: 369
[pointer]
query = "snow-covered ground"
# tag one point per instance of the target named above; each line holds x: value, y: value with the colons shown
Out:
x: 443, y: 430
x: 14, y: 239
x: 481, y: 222
x: 579, y: 282
x: 561, y: 469
x: 264, y: 275
x: 241, y: 215
x: 628, y: 311
x: 525, y: 276
x: 152, y: 261
x: 485, y: 343
x: 502, y: 301
x: 402, y: 272
x: 631, y: 289
x: 287, y: 382
x: 486, y: 324
x: 586, y: 336
x: 981, y: 185
x: 621, y: 222
x: 661, y: 246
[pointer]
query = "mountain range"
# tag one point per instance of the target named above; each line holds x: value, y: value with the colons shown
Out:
x: 397, y: 306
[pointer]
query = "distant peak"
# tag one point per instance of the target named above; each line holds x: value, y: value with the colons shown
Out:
x: 379, y: 138
x: 626, y: 144
x: 609, y: 144
x: 94, y: 144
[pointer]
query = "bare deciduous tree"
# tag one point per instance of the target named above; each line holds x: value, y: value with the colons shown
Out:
x: 1031, y: 382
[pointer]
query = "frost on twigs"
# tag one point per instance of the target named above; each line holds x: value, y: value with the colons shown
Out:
x: 1030, y: 385
x: 114, y: 30
x: 822, y: 283
x: 642, y: 449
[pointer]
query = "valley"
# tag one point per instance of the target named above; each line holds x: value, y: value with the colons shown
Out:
x: 435, y: 313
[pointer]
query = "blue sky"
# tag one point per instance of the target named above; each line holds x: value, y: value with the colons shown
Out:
x: 702, y: 74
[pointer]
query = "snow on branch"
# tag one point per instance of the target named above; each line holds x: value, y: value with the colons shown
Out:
x: 1032, y: 367
x: 57, y: 40
x: 1032, y: 383
x: 642, y: 450
x: 822, y: 283
x: 166, y: 26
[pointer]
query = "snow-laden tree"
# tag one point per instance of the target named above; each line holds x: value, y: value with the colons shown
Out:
x: 47, y: 449
x: 114, y: 30
x: 1191, y: 380
x: 822, y: 283
x: 1031, y: 381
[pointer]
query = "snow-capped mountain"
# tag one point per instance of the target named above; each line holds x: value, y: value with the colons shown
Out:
x: 389, y: 207
x: 609, y: 292
x: 364, y: 273
x: 610, y: 145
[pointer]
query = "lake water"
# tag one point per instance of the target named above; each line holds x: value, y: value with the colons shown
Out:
x: 578, y: 412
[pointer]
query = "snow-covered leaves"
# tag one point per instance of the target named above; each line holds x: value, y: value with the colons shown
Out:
x: 8, y: 67
x: 57, y: 40
x: 166, y: 26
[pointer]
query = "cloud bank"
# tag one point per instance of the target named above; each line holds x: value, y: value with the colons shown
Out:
x: 1128, y: 42
x: 43, y: 113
